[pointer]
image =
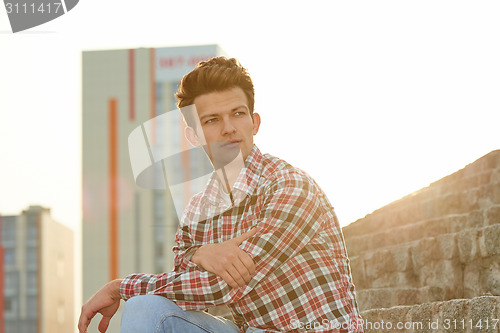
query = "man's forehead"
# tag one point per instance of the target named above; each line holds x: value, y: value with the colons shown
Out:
x: 221, y: 101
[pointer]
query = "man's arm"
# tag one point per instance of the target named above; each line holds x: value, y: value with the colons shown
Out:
x: 106, y: 302
x: 227, y: 260
x: 291, y: 215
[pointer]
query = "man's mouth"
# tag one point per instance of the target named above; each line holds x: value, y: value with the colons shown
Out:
x: 230, y: 144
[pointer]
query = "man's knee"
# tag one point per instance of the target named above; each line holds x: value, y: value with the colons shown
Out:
x: 150, y: 303
x: 146, y: 312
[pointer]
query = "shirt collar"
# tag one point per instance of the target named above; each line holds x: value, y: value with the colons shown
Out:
x: 245, y: 183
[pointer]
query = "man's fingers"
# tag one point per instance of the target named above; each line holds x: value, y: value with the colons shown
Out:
x: 84, y: 321
x: 243, y: 237
x: 248, y: 262
x: 236, y: 275
x: 229, y: 280
x: 243, y: 274
x: 103, y: 325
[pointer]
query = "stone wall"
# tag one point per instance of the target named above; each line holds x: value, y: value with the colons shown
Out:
x: 438, y: 244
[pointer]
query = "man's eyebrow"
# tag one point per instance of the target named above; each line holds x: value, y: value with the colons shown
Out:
x: 239, y: 107
x: 217, y: 115
x: 209, y: 115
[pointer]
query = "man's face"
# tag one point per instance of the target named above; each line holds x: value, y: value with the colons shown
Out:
x: 227, y: 124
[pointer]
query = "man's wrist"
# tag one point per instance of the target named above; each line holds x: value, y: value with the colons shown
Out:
x: 114, y: 289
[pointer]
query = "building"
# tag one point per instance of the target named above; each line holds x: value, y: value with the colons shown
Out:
x: 132, y: 138
x: 37, y: 273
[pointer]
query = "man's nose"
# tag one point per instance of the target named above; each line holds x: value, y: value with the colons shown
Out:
x: 228, y: 127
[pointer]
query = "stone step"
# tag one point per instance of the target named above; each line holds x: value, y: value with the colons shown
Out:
x: 428, y: 228
x: 388, y: 297
x: 464, y: 264
x: 479, y: 314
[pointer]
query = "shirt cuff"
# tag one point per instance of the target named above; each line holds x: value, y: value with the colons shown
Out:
x: 134, y: 285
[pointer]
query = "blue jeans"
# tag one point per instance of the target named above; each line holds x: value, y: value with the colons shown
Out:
x: 157, y: 314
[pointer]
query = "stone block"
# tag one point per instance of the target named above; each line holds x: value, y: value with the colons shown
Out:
x: 393, y: 316
x: 423, y: 251
x: 474, y: 219
x: 370, y: 320
x: 453, y: 311
x: 407, y: 296
x: 374, y: 299
x: 432, y: 228
x: 358, y: 272
x: 432, y: 294
x: 482, y: 309
x: 495, y: 176
x: 491, y: 192
x: 395, y: 279
x: 458, y: 223
x: 445, y: 274
x: 421, y: 314
x: 453, y: 203
x: 490, y: 276
x: 402, y: 257
x: 469, y: 199
x: 492, y: 239
x: 496, y: 193
x: 493, y: 215
x: 472, y: 273
x: 468, y: 247
x: 378, y: 262
x: 447, y: 246
x: 352, y: 245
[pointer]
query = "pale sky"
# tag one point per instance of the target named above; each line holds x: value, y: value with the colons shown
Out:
x: 374, y: 99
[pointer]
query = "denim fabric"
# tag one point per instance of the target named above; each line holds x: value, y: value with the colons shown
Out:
x: 157, y: 314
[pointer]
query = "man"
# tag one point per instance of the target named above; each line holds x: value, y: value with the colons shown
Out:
x: 261, y: 238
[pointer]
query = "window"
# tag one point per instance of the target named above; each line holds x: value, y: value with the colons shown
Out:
x: 31, y: 306
x: 12, y: 282
x: 31, y: 229
x: 31, y: 282
x: 31, y: 257
x: 10, y: 257
x: 8, y: 230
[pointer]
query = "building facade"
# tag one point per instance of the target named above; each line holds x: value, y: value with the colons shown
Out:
x: 37, y: 273
x: 132, y: 137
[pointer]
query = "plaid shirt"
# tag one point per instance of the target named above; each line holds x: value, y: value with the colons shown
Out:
x: 302, y: 280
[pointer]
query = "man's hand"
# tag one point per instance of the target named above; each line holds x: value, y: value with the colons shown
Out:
x: 106, y: 302
x: 227, y: 260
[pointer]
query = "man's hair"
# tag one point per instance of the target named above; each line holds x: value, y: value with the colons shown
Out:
x: 215, y: 75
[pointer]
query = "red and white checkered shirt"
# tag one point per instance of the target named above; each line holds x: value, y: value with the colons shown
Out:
x: 302, y: 280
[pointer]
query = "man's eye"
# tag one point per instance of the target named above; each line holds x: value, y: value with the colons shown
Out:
x: 211, y: 120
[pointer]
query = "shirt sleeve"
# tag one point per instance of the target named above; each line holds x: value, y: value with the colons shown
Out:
x: 289, y: 217
x: 183, y: 250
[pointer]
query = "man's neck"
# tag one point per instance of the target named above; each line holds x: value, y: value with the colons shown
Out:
x: 229, y: 173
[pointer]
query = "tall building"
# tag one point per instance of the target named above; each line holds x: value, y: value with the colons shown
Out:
x: 38, y: 279
x: 130, y: 125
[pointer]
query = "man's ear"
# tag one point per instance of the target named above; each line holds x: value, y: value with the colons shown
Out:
x: 256, y: 122
x: 192, y: 137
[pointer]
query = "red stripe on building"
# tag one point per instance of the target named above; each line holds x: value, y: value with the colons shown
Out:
x: 131, y: 84
x: 113, y: 187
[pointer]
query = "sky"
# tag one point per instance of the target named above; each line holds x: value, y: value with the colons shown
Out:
x: 374, y: 99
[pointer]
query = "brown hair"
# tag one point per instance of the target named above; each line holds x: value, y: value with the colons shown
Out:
x: 215, y: 75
